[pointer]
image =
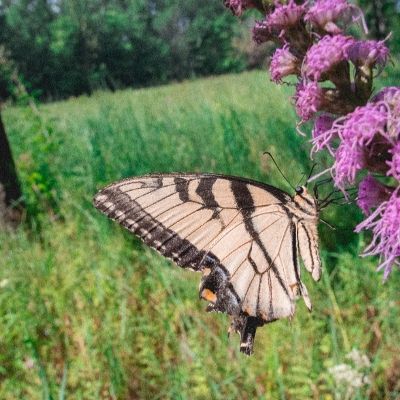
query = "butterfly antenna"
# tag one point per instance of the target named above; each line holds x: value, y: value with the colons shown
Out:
x: 311, y: 171
x: 301, y: 178
x: 327, y: 224
x: 277, y: 166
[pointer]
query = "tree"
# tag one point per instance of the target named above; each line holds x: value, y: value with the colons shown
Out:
x: 67, y: 47
x: 383, y: 18
x: 10, y: 190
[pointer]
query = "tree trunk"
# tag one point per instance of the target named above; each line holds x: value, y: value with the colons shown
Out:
x: 378, y: 27
x: 10, y: 189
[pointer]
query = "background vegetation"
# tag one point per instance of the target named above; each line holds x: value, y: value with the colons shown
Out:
x: 86, y: 312
x: 63, y: 48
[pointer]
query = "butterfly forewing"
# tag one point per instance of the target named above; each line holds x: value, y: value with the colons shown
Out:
x: 242, y: 235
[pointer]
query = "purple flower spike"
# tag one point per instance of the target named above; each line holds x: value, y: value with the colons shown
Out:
x: 261, y: 32
x: 369, y: 53
x: 323, y: 56
x: 349, y: 160
x: 394, y: 163
x: 309, y: 98
x: 238, y: 6
x: 362, y: 133
x: 285, y: 16
x: 283, y: 63
x: 385, y: 225
x: 371, y: 193
x: 324, y: 14
x: 322, y: 133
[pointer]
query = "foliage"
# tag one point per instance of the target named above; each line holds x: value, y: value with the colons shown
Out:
x: 65, y: 48
x: 87, y: 312
x: 382, y: 17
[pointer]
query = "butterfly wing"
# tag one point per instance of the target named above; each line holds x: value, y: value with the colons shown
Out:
x: 309, y: 249
x: 240, y: 234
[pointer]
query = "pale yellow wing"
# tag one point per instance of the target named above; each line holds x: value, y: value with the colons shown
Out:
x: 238, y: 233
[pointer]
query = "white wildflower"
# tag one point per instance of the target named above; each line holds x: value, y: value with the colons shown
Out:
x: 350, y: 377
x: 4, y: 282
x: 360, y: 360
x: 344, y: 374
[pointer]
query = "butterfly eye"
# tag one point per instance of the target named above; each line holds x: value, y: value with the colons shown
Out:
x: 299, y: 189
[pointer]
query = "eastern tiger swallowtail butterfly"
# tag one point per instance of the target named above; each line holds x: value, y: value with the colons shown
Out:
x: 245, y: 237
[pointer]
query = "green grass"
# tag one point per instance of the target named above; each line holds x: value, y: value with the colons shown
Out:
x: 87, y: 312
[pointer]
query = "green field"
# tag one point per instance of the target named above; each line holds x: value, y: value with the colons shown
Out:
x: 87, y: 312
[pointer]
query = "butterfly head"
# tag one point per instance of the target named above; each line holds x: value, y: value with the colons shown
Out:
x: 305, y: 201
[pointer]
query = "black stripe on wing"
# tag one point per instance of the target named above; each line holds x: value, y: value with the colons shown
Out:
x: 204, y: 190
x: 245, y: 203
x: 182, y: 187
x: 281, y: 195
x: 115, y: 203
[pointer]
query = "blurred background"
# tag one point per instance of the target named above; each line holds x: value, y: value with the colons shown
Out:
x: 95, y: 91
x: 68, y: 48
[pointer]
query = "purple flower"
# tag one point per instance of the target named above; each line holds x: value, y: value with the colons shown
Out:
x: 368, y: 52
x: 322, y: 133
x: 261, y: 32
x: 389, y: 98
x: 371, y: 193
x: 309, y: 98
x: 394, y: 163
x: 325, y: 14
x: 283, y: 63
x: 238, y: 6
x: 349, y: 160
x: 285, y: 16
x: 323, y: 56
x: 385, y: 225
x: 389, y: 94
x: 364, y: 123
x: 363, y: 141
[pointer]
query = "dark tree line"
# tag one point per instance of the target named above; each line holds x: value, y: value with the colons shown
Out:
x: 383, y: 17
x: 69, y: 47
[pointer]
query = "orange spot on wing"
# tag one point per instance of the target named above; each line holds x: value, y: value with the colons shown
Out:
x: 295, y: 289
x: 208, y: 295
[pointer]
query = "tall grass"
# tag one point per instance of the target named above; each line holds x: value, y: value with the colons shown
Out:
x: 87, y: 312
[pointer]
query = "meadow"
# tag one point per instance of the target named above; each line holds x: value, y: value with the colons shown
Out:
x: 87, y: 312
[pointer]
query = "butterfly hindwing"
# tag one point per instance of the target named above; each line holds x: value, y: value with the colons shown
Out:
x: 242, y: 235
x: 308, y: 248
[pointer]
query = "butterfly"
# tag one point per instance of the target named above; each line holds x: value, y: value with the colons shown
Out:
x: 246, y: 238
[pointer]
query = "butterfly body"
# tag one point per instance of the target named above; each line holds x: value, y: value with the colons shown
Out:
x: 245, y: 237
